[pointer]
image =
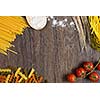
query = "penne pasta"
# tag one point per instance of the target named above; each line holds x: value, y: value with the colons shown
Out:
x: 18, y: 76
x: 20, y: 80
x: 7, y: 79
x: 17, y: 79
x: 32, y: 71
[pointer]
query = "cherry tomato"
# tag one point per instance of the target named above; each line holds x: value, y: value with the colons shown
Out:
x: 94, y: 77
x: 80, y: 72
x: 88, y: 66
x: 71, y: 78
x: 98, y: 67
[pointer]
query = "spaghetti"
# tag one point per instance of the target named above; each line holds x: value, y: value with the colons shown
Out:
x: 10, y: 26
x: 95, y: 31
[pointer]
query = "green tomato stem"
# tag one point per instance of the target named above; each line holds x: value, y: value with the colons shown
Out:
x: 93, y: 68
x: 90, y: 71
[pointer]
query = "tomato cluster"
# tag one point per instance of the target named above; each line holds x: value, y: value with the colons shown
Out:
x: 87, y: 70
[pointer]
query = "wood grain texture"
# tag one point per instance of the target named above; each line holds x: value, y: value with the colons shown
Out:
x: 53, y: 51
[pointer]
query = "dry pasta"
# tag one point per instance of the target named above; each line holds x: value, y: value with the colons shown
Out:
x: 7, y: 79
x: 18, y: 76
x: 10, y: 26
x: 5, y: 70
x: 95, y: 31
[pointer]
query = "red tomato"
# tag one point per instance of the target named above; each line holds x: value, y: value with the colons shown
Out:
x: 94, y: 77
x: 88, y: 66
x: 71, y: 78
x: 80, y: 72
x: 98, y: 67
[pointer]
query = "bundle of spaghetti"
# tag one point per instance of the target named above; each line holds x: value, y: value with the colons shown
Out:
x: 94, y: 22
x: 10, y: 27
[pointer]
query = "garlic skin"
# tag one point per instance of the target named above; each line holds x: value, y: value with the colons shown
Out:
x: 37, y: 22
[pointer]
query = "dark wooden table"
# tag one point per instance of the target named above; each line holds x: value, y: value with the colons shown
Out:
x: 54, y: 52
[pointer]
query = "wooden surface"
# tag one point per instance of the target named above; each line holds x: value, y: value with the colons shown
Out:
x: 54, y: 52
